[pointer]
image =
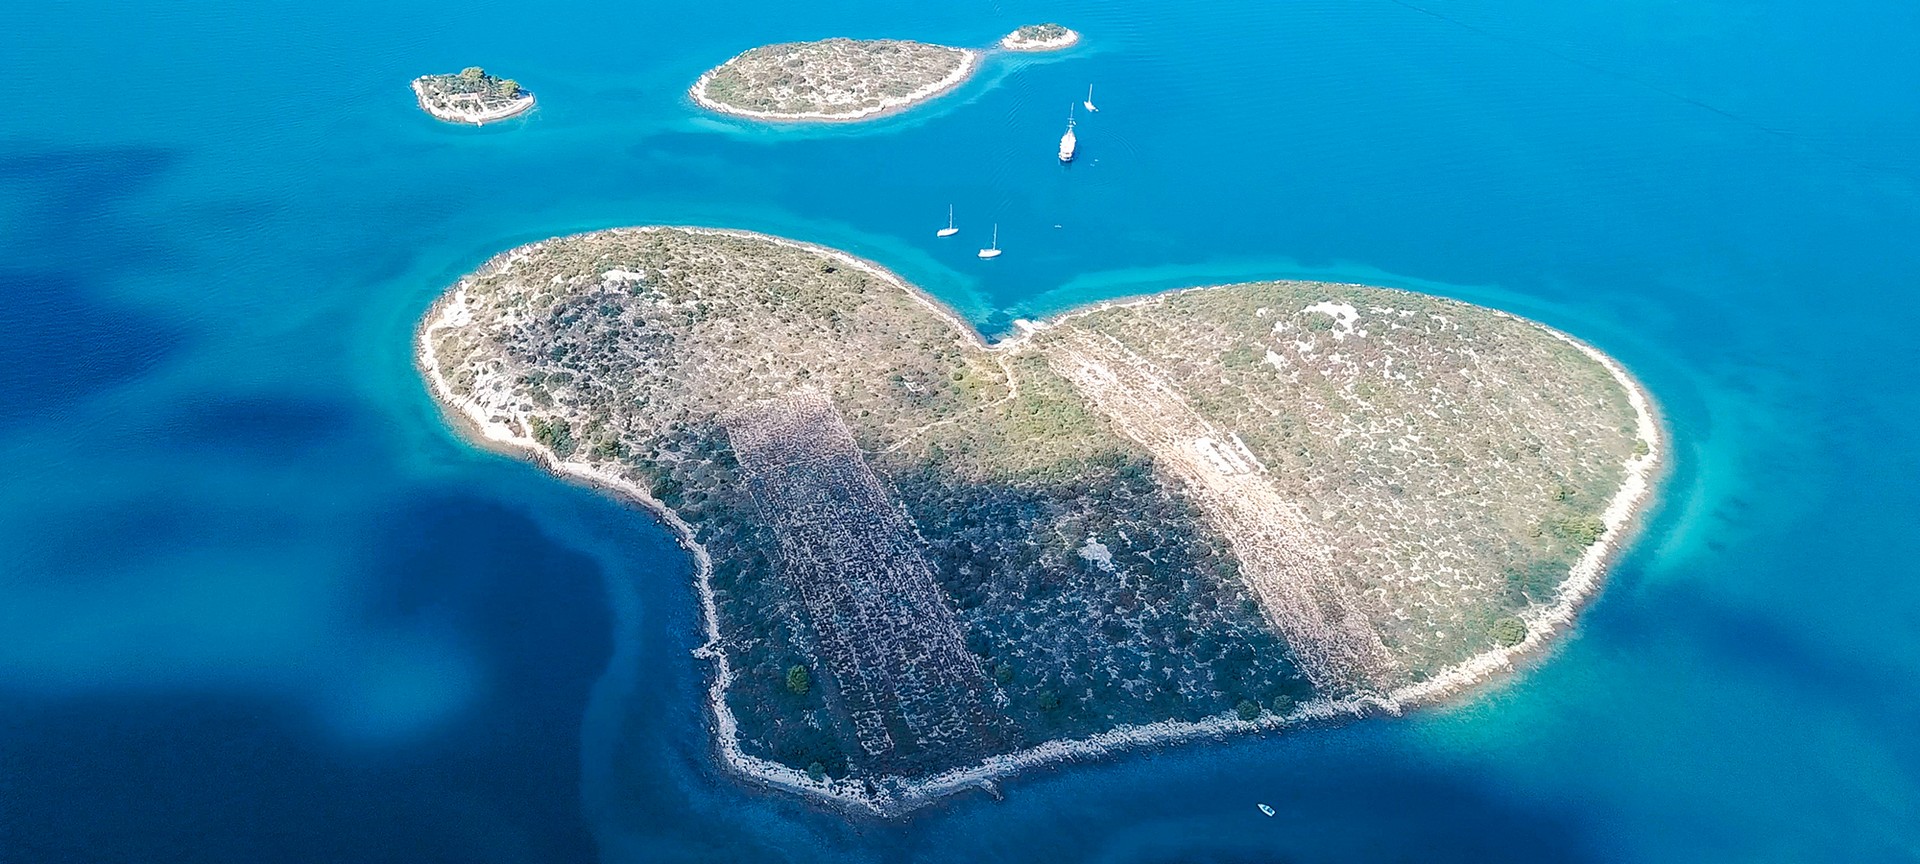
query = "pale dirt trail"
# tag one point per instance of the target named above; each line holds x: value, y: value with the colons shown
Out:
x: 1284, y: 557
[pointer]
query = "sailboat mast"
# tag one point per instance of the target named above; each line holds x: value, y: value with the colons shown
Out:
x: 993, y: 250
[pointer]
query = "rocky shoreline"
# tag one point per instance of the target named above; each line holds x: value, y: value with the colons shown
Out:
x: 441, y: 106
x: 968, y: 62
x: 889, y: 795
x: 1043, y: 37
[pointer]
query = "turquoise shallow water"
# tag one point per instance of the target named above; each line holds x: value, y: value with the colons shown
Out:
x: 257, y: 602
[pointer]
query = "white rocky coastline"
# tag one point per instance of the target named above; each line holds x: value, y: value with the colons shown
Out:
x: 477, y: 116
x: 970, y: 64
x: 894, y: 795
x: 1016, y: 42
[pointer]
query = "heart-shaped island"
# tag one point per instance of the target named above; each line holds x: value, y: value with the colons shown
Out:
x: 926, y: 561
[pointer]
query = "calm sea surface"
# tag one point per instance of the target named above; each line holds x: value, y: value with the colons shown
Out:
x: 258, y: 603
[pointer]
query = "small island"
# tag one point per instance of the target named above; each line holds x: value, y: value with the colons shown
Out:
x: 925, y: 561
x: 472, y: 96
x: 832, y: 79
x: 1039, y: 37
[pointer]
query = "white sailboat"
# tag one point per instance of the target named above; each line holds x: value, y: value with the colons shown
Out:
x: 1089, y: 102
x: 1067, y: 141
x: 948, y: 231
x: 994, y: 250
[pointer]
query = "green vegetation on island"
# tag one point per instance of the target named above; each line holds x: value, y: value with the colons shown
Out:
x: 471, y: 96
x: 1205, y: 505
x: 832, y: 79
x: 1508, y: 631
x: 1039, y: 37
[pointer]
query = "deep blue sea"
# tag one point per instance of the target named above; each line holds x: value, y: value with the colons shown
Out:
x: 258, y: 603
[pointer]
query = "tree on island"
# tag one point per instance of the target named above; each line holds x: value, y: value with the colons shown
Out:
x: 473, y: 73
x: 1508, y: 631
x: 798, y: 681
x: 510, y: 88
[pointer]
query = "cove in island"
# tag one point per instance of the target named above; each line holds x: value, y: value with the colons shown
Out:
x: 925, y: 561
x: 850, y: 79
x: 472, y: 96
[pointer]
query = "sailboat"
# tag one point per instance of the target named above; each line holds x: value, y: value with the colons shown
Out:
x: 1067, y: 141
x: 948, y: 231
x: 994, y: 250
x: 1089, y: 102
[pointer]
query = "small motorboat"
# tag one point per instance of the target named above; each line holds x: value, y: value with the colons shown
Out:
x: 994, y: 250
x: 948, y: 231
x: 1089, y: 102
x: 1265, y: 809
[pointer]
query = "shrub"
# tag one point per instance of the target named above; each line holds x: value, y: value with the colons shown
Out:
x: 555, y: 435
x: 817, y: 771
x: 798, y: 681
x: 1581, y: 531
x: 1247, y: 709
x: 1508, y: 631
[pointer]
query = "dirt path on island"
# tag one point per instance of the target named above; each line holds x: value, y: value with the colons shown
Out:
x: 1284, y: 557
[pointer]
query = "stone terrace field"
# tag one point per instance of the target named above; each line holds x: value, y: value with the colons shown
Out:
x: 1214, y: 501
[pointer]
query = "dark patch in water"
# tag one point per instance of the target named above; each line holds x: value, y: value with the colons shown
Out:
x: 63, y: 345
x: 67, y: 206
x: 267, y: 427
x: 1882, y: 696
x: 66, y: 338
x: 236, y: 777
x: 1333, y: 801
